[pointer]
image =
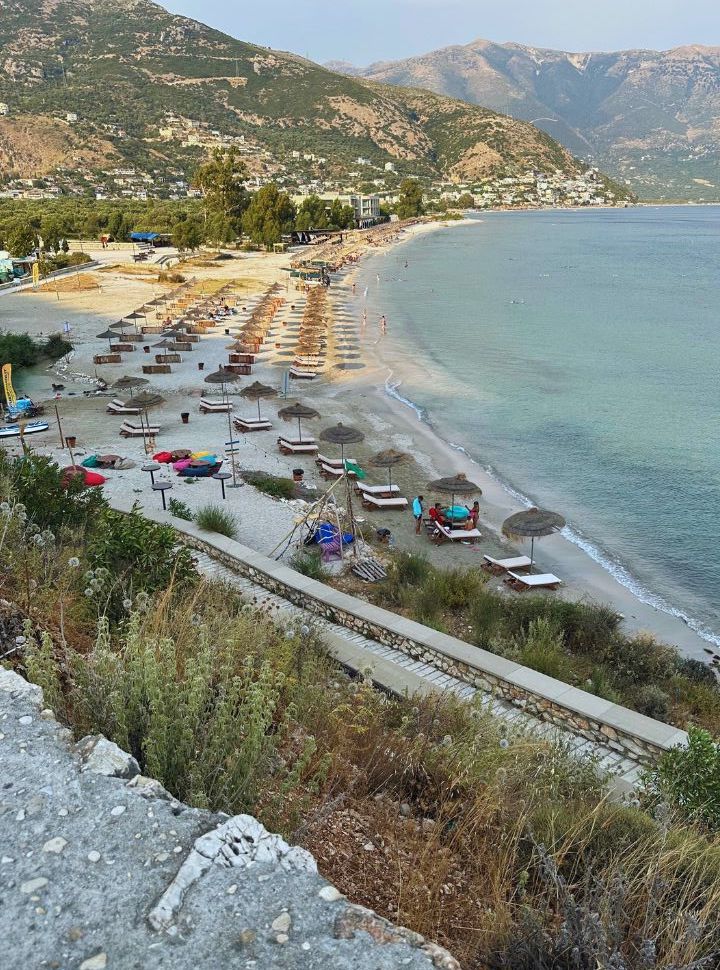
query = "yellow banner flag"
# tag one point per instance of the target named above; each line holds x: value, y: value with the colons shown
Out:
x: 35, y: 274
x: 10, y: 396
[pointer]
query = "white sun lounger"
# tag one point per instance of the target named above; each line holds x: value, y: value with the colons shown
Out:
x: 128, y: 430
x: 330, y: 471
x: 252, y: 424
x: 442, y: 534
x: 117, y: 407
x: 375, y: 502
x: 215, y: 407
x: 300, y: 374
x: 379, y: 490
x: 498, y: 566
x: 538, y: 581
x: 297, y: 447
x: 333, y: 462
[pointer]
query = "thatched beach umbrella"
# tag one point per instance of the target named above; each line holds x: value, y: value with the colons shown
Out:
x: 135, y: 316
x: 147, y: 399
x: 129, y: 383
x: 256, y: 391
x: 108, y: 335
x: 389, y: 459
x: 342, y: 434
x: 222, y: 377
x: 298, y: 411
x: 455, y: 485
x: 532, y: 524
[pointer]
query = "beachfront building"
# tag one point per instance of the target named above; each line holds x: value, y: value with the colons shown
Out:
x: 367, y: 209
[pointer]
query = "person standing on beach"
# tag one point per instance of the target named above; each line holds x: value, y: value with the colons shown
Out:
x: 383, y: 323
x: 417, y: 508
x: 353, y: 289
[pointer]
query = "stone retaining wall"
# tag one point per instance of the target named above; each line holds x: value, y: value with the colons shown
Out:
x: 585, y: 715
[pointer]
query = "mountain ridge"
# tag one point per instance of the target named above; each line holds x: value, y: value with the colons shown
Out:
x: 651, y: 118
x: 125, y: 76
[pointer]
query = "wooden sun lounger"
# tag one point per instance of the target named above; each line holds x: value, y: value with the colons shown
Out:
x: 297, y: 447
x: 117, y: 407
x: 381, y: 491
x: 330, y: 471
x: 538, y: 581
x: 333, y: 462
x: 252, y: 424
x: 298, y: 374
x: 499, y: 566
x: 215, y: 407
x: 128, y: 430
x: 375, y: 502
x: 442, y: 534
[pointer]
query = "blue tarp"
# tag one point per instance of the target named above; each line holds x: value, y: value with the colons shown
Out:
x: 143, y: 236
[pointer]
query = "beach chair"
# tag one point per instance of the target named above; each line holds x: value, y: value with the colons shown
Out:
x: 442, y: 534
x: 499, y: 566
x: 214, y: 407
x: 380, y: 491
x: 331, y: 471
x: 376, y: 502
x: 298, y: 374
x: 297, y: 447
x: 117, y: 407
x: 522, y: 583
x: 251, y: 424
x: 128, y: 430
x: 333, y: 462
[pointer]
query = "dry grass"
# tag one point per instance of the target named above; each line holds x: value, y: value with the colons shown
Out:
x: 70, y: 284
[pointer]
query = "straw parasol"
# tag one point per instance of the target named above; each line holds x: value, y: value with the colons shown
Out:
x: 222, y: 377
x: 108, y: 335
x: 128, y: 383
x: 164, y: 345
x: 389, y: 459
x: 299, y: 411
x: 147, y: 399
x: 342, y: 434
x: 532, y: 524
x: 455, y: 485
x: 256, y: 391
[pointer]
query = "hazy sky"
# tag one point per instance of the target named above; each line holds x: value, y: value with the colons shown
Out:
x: 362, y: 31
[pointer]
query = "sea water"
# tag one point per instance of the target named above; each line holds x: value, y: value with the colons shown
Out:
x: 576, y: 356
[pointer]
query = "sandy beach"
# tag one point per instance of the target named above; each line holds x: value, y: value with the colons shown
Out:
x: 350, y: 389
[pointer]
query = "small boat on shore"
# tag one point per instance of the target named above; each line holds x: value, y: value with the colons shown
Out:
x: 32, y: 427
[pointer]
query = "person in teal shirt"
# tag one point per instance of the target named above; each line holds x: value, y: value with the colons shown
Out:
x: 417, y: 508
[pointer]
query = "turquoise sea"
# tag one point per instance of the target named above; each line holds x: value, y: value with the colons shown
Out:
x: 576, y: 355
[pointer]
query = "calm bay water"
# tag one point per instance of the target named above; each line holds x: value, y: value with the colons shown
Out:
x: 577, y: 355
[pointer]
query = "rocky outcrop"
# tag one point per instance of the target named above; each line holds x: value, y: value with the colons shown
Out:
x: 103, y: 870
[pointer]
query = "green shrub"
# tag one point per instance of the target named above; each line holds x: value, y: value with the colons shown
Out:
x: 273, y: 485
x: 130, y: 555
x: 214, y: 518
x: 180, y: 510
x: 689, y: 777
x: 697, y: 671
x: 37, y: 483
x: 309, y: 563
x: 639, y: 660
x: 652, y: 701
x: 542, y: 649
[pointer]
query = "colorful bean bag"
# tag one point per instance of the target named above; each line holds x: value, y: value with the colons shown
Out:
x: 164, y: 457
x: 91, y: 479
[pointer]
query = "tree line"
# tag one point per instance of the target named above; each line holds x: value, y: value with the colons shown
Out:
x: 225, y: 212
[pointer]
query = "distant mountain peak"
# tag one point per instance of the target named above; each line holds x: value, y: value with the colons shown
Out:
x: 650, y: 117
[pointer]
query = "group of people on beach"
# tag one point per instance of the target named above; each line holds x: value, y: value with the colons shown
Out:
x: 439, y: 515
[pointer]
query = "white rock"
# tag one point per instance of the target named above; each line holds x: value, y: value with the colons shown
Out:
x: 330, y: 894
x: 55, y: 845
x: 94, y: 856
x: 32, y: 885
x: 282, y: 923
x: 103, y: 757
x: 118, y: 810
x: 98, y: 962
x: 282, y: 938
x: 25, y: 719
